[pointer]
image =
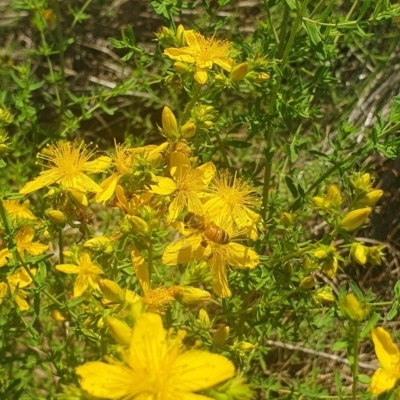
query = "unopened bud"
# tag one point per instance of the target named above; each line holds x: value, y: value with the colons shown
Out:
x: 188, y: 130
x: 330, y: 266
x: 120, y: 330
x: 370, y: 199
x: 353, y: 308
x: 375, y: 254
x: 220, y: 335
x: 203, y: 320
x: 79, y: 198
x: 333, y: 196
x: 112, y: 291
x: 245, y: 346
x: 181, y: 68
x: 100, y: 244
x: 180, y: 36
x: 258, y: 77
x: 323, y: 295
x: 359, y: 253
x: 286, y: 219
x: 355, y: 219
x: 138, y: 225
x: 191, y: 295
x: 56, y: 216
x: 4, y: 149
x: 239, y: 71
x: 319, y: 201
x: 169, y: 124
x: 307, y: 283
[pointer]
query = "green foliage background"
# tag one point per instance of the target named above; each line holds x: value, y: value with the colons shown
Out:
x: 330, y: 109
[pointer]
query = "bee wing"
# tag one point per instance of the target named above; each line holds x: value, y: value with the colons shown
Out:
x: 184, y: 250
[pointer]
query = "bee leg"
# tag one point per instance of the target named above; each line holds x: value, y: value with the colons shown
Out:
x: 204, y: 243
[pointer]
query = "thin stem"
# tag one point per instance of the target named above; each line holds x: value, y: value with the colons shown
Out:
x: 79, y: 13
x: 61, y: 57
x: 150, y: 258
x: 269, y: 151
x: 61, y: 245
x: 354, y: 366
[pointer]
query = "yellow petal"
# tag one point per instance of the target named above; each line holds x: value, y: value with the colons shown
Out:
x: 21, y: 302
x: 108, y: 186
x: 381, y: 382
x: 191, y: 38
x: 225, y: 63
x: 5, y: 256
x: 148, y: 343
x: 183, y: 251
x: 183, y: 54
x: 106, y: 381
x: 68, y: 268
x: 208, y: 172
x: 198, y: 370
x: 36, y: 248
x: 3, y: 290
x: 177, y: 205
x: 386, y: 351
x: 80, y: 182
x: 81, y: 284
x: 220, y: 285
x: 241, y: 256
x: 45, y: 178
x: 179, y: 165
x: 165, y: 186
x: 98, y: 165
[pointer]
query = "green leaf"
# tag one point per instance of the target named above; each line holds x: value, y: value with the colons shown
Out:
x: 341, y: 344
x: 2, y: 163
x: 313, y: 32
x: 393, y: 311
x: 365, y: 379
x: 291, y: 186
x: 237, y: 143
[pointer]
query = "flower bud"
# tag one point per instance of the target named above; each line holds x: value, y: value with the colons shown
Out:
x: 319, y: 201
x: 203, y: 320
x: 375, y: 254
x: 307, y: 283
x: 180, y: 36
x: 112, y: 291
x: 359, y: 253
x: 286, y: 219
x: 239, y: 71
x: 56, y: 216
x: 370, y: 199
x: 353, y: 309
x: 181, y: 68
x: 120, y: 331
x: 99, y: 244
x: 361, y: 182
x: 323, y: 295
x: 4, y: 149
x: 220, y: 335
x: 258, y: 77
x: 333, y: 196
x: 355, y: 219
x: 78, y: 198
x: 188, y: 130
x: 191, y: 295
x: 245, y: 346
x: 169, y: 124
x: 138, y: 225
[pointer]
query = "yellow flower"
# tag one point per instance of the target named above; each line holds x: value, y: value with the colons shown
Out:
x: 203, y: 53
x: 157, y: 300
x: 18, y: 211
x: 232, y: 198
x: 16, y: 282
x: 68, y: 167
x: 386, y: 377
x: 5, y: 257
x: 155, y: 367
x: 187, y: 184
x: 24, y: 242
x: 88, y: 274
x: 123, y: 164
x: 217, y: 256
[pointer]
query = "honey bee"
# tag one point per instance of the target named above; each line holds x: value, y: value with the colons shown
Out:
x: 210, y: 230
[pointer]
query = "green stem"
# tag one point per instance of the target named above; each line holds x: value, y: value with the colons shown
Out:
x: 354, y: 367
x: 150, y: 258
x: 61, y: 245
x: 79, y: 14
x: 269, y: 151
x: 195, y: 97
x: 292, y: 255
x: 61, y: 57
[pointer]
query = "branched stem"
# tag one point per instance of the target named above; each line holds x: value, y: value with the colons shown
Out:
x: 269, y: 151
